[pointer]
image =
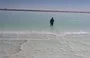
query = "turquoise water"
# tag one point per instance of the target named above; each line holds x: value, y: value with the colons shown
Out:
x: 40, y: 21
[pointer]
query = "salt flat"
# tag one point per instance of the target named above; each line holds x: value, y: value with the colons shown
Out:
x: 54, y: 48
x: 45, y: 45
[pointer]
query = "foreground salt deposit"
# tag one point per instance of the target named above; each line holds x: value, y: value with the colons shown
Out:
x: 46, y: 45
x: 10, y: 47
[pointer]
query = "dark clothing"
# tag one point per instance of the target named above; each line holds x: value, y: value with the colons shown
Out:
x: 51, y: 21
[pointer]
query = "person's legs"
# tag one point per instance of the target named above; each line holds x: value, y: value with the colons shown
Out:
x: 51, y: 24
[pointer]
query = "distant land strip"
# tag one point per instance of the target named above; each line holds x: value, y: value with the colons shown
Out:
x: 31, y: 10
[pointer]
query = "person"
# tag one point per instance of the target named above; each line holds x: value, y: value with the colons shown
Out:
x: 51, y: 21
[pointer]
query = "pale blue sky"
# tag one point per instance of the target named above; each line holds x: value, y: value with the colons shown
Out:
x: 47, y: 4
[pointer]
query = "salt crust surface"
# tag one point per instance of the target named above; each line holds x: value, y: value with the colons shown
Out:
x: 69, y: 46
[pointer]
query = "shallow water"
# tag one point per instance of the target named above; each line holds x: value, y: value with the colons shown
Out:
x: 40, y: 21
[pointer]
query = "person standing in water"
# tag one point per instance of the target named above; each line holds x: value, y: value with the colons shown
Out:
x: 51, y: 21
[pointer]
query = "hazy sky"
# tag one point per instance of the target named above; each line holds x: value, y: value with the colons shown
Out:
x: 47, y: 4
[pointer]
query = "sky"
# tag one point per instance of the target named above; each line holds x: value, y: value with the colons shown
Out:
x: 47, y: 4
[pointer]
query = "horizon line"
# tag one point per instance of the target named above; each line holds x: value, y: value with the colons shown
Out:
x: 33, y: 10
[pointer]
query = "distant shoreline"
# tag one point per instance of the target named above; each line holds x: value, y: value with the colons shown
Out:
x: 31, y: 10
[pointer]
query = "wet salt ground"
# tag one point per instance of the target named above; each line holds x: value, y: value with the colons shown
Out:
x: 70, y: 46
x: 56, y: 49
x: 10, y: 47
